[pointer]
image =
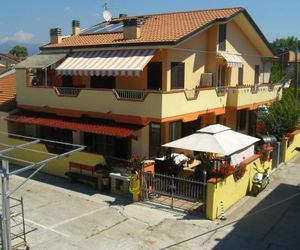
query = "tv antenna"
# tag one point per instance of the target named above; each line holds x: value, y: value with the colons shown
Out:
x: 106, y: 13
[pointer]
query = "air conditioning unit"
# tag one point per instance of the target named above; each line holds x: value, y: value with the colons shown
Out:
x: 206, y: 80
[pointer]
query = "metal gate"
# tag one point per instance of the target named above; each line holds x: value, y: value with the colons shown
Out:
x: 172, y: 191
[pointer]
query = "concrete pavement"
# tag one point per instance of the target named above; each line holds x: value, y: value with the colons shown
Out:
x: 73, y: 216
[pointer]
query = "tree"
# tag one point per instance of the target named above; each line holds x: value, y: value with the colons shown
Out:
x: 282, y: 116
x: 19, y: 51
x: 282, y: 44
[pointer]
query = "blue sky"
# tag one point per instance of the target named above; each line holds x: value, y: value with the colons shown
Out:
x: 29, y: 21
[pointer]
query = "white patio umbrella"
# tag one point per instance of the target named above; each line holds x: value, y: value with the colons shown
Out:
x: 215, y: 138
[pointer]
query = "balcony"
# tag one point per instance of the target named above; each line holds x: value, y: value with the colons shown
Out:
x: 155, y: 105
x: 242, y: 96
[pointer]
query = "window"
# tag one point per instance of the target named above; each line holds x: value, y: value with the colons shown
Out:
x: 241, y: 75
x: 177, y: 75
x: 174, y: 130
x: 67, y: 81
x: 221, y: 75
x: 154, y: 70
x: 241, y: 119
x: 222, y: 37
x: 191, y: 127
x: 56, y: 134
x: 154, y: 139
x: 256, y: 74
x: 108, y: 145
x: 103, y: 82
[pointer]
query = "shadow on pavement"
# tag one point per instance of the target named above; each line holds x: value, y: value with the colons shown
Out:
x: 273, y: 224
x: 58, y: 182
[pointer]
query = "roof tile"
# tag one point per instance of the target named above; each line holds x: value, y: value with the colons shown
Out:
x: 160, y: 28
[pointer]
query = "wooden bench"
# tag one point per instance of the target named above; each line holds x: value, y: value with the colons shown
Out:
x: 76, y: 173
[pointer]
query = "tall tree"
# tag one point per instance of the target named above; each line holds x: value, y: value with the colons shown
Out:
x: 19, y: 51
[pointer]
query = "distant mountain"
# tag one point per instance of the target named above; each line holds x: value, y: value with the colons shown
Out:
x: 31, y: 48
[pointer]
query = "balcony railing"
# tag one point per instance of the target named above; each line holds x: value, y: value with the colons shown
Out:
x: 67, y: 91
x: 131, y: 95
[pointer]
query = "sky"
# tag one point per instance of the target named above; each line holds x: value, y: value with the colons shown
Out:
x: 30, y: 21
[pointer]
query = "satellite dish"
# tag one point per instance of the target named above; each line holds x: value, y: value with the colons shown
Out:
x: 107, y: 15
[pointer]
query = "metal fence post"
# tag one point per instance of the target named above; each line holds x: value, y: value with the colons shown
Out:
x: 6, y: 237
x: 204, y: 190
x: 172, y: 191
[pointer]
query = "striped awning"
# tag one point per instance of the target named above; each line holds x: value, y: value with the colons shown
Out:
x: 106, y: 62
x: 232, y: 60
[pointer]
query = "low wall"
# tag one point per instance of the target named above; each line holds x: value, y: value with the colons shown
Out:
x: 56, y: 167
x: 228, y: 190
x: 289, y: 144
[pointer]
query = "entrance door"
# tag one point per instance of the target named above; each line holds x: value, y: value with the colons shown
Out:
x: 122, y: 148
x: 154, y: 75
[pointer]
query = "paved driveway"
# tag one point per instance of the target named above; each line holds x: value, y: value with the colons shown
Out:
x: 74, y: 216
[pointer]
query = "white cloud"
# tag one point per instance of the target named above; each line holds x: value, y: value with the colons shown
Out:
x: 22, y: 36
x: 4, y: 39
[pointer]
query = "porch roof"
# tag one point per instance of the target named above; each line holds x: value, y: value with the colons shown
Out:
x: 40, y: 61
x: 91, y: 125
x: 106, y: 62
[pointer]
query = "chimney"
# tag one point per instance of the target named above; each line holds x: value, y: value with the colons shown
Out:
x: 132, y: 28
x: 75, y: 27
x: 55, y: 35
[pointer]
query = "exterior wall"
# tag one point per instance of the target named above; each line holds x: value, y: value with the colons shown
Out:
x: 211, y: 45
x: 3, y: 122
x: 237, y: 42
x: 193, y: 54
x: 289, y: 150
x: 140, y: 147
x: 140, y: 83
x: 57, y: 167
x: 229, y: 191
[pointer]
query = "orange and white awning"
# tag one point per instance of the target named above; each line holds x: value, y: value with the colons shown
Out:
x: 232, y: 60
x: 106, y: 62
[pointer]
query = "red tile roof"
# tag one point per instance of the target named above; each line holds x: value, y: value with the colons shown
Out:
x: 159, y: 28
x: 8, y: 89
x: 97, y: 126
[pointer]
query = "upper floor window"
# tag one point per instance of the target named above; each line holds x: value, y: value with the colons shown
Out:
x: 222, y: 37
x: 256, y: 73
x: 104, y: 82
x: 177, y: 75
x: 154, y: 71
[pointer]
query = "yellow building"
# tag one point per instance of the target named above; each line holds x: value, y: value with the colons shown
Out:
x: 126, y: 86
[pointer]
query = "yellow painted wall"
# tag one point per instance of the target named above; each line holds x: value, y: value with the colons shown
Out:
x: 140, y: 147
x: 228, y: 191
x: 3, y: 122
x: 237, y: 42
x: 193, y: 54
x: 57, y: 167
x: 290, y: 151
x: 211, y: 45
